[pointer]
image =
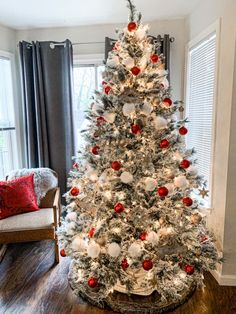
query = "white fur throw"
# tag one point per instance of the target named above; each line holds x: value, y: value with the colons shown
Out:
x: 45, y: 179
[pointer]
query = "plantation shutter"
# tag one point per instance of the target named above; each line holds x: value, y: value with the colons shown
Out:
x: 200, y: 101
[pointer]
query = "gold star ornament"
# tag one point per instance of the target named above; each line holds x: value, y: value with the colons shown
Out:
x: 203, y: 192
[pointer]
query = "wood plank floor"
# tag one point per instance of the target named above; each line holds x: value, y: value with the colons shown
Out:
x: 31, y: 284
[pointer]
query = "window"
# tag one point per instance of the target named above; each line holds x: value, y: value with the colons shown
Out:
x: 200, y: 96
x: 9, y: 156
x: 87, y: 79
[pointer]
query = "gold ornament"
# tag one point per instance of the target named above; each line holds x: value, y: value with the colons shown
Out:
x: 203, y: 192
x: 195, y: 218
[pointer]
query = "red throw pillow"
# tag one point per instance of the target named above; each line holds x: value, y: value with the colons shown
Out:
x: 17, y: 196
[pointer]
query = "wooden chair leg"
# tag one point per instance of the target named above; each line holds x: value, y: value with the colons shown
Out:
x: 57, y: 254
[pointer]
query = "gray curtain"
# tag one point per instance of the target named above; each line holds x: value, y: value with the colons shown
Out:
x: 47, y: 90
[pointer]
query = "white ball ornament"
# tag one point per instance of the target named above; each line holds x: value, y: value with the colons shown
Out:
x: 141, y: 33
x: 113, y: 62
x: 126, y: 177
x: 92, y: 175
x: 146, y: 109
x: 114, y: 249
x: 192, y: 170
x: 78, y: 244
x: 109, y: 117
x: 72, y: 216
x: 93, y: 249
x: 177, y: 156
x: 152, y: 237
x: 170, y: 187
x: 150, y: 184
x: 160, y: 122
x: 180, y: 181
x: 129, y: 63
x: 135, y: 250
x: 128, y: 109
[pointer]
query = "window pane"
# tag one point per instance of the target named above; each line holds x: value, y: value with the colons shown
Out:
x: 8, y: 143
x: 100, y: 70
x: 84, y: 86
x: 6, y: 94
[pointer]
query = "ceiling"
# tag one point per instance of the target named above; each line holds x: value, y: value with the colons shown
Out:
x: 26, y: 14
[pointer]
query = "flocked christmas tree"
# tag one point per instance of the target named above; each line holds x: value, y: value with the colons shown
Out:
x: 132, y: 224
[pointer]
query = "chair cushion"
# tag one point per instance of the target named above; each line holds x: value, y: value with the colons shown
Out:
x: 45, y: 179
x: 35, y: 220
x: 17, y: 196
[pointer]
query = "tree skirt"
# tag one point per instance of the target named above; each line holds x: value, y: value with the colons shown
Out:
x: 128, y: 304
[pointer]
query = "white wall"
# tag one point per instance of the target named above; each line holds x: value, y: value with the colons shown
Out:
x: 7, y: 39
x: 223, y: 217
x: 97, y: 33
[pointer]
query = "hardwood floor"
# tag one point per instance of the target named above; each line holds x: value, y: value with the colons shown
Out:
x: 31, y: 284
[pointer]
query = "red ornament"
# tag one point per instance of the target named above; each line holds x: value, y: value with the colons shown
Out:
x: 119, y: 208
x: 163, y: 191
x: 104, y: 83
x: 135, y: 70
x: 189, y: 269
x: 154, y: 58
x: 147, y: 264
x: 167, y: 101
x: 132, y: 26
x: 187, y: 201
x: 183, y: 130
x: 136, y: 129
x: 124, y: 264
x: 107, y: 89
x: 203, y: 238
x: 91, y: 232
x: 185, y: 163
x: 116, y: 165
x: 74, y: 191
x: 92, y: 282
x: 62, y: 253
x: 75, y: 165
x: 143, y: 236
x: 95, y: 150
x: 164, y: 143
x: 100, y: 121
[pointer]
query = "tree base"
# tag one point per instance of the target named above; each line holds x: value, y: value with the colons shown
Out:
x: 129, y: 304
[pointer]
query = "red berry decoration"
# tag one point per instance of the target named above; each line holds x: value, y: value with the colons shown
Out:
x: 187, y: 201
x: 164, y: 143
x: 185, y: 163
x: 143, y: 236
x: 116, y: 165
x: 75, y: 191
x: 107, y: 89
x: 183, y: 130
x: 62, y: 253
x: 189, y: 269
x: 132, y: 26
x: 104, y: 83
x: 75, y: 165
x: 136, y: 129
x: 119, y: 208
x: 147, y: 264
x: 167, y: 101
x: 203, y: 238
x: 91, y: 232
x: 154, y: 58
x: 162, y: 191
x: 92, y: 282
x: 95, y: 150
x: 100, y: 121
x: 135, y: 70
x: 124, y: 264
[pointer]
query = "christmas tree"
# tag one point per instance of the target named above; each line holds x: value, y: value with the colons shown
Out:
x: 132, y: 223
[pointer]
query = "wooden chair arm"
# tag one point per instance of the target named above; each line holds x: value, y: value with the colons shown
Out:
x: 57, y: 208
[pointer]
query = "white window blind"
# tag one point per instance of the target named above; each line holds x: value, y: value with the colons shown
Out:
x: 200, y: 101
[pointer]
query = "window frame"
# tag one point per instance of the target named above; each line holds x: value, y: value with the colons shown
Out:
x: 213, y: 28
x: 17, y: 162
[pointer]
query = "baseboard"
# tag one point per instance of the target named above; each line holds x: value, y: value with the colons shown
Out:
x: 224, y: 280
